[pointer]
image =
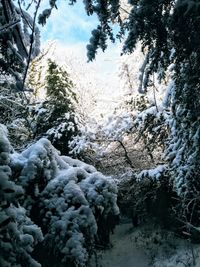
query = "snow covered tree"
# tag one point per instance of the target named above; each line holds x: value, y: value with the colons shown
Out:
x: 36, y: 77
x: 69, y: 200
x: 18, y: 234
x: 19, y: 41
x: 160, y: 28
x: 14, y: 116
x: 55, y: 116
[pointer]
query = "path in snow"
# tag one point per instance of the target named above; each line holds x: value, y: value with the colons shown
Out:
x: 124, y: 252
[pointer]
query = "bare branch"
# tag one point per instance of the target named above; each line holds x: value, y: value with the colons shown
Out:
x: 31, y: 44
x: 9, y: 25
x: 154, y: 93
x: 125, y: 153
x: 124, y: 10
x: 24, y: 17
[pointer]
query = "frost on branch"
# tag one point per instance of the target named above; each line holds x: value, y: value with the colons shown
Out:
x: 154, y: 174
x: 18, y: 34
x: 68, y: 199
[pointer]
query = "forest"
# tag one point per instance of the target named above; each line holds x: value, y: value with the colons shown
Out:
x: 90, y: 178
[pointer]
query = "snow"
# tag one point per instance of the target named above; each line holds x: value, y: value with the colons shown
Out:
x: 67, y: 193
x: 136, y: 247
x: 66, y: 197
x: 123, y: 251
x: 154, y: 174
x: 112, y: 129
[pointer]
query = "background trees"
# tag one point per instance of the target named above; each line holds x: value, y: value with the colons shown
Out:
x: 158, y: 26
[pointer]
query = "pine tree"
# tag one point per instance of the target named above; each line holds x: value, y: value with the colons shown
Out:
x: 56, y: 117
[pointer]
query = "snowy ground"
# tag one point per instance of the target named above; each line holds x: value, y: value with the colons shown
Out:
x: 124, y: 252
x: 168, y: 251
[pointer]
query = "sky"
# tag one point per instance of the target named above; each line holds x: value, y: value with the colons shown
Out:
x: 71, y: 28
x: 68, y: 24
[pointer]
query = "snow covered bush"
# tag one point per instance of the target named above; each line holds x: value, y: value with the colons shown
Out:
x: 184, y: 255
x: 18, y: 234
x: 68, y: 199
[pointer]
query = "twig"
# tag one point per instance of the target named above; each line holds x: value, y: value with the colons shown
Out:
x: 22, y: 13
x: 29, y: 5
x: 126, y: 153
x: 11, y: 101
x: 154, y: 94
x: 9, y: 25
x: 124, y: 10
x: 189, y: 225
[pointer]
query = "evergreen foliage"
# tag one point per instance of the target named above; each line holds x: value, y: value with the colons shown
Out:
x: 160, y: 27
x: 16, y: 37
x: 67, y: 198
x: 106, y: 11
x: 55, y: 117
x: 18, y: 234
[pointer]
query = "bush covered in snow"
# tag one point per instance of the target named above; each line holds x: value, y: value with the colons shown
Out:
x: 18, y: 234
x: 69, y: 200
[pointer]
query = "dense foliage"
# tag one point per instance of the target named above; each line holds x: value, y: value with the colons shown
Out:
x: 18, y: 234
x: 68, y: 192
x: 68, y: 201
x: 160, y: 27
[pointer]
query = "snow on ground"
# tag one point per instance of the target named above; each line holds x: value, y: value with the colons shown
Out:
x: 123, y: 252
x: 147, y: 246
